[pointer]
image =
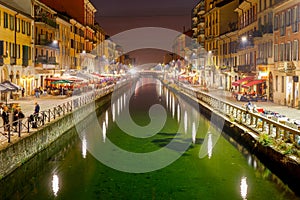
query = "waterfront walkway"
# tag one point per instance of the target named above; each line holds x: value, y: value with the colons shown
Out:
x: 291, y: 113
x: 48, y: 101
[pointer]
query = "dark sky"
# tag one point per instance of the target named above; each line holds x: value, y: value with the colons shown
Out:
x: 116, y: 16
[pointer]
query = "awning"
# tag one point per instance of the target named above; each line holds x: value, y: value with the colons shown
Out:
x: 239, y: 82
x: 254, y: 82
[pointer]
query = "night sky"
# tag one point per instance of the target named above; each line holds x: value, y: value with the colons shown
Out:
x: 116, y: 16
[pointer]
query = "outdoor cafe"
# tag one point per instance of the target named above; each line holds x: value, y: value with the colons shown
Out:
x: 250, y: 89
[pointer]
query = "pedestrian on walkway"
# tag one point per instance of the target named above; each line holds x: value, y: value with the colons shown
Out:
x: 18, y: 116
x: 37, y: 92
x: 5, y: 117
x: 23, y: 92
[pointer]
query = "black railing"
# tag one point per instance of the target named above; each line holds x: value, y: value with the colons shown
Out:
x: 35, y: 122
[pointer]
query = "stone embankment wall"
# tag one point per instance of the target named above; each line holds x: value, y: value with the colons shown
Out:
x: 21, y: 151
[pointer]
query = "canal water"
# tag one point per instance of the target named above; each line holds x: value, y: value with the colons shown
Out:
x: 146, y: 143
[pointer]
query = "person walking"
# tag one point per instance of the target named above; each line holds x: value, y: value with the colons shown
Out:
x: 5, y: 117
x: 17, y: 118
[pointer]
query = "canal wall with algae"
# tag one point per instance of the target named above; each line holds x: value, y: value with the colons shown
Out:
x: 286, y: 168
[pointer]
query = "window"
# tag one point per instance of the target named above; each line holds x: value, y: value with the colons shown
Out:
x: 281, y: 52
x: 288, y: 51
x: 18, y: 25
x: 5, y: 16
x: 11, y: 22
x: 18, y: 51
x: 282, y: 25
x: 23, y: 26
x: 72, y: 44
x: 276, y: 22
x: 6, y: 52
x: 28, y: 25
x: 12, y: 49
x: 282, y: 84
x: 276, y: 83
x: 295, y: 20
x: 295, y: 51
x: 270, y: 45
x: 288, y: 17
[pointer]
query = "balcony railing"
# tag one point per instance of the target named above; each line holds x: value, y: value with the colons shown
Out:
x: 45, y: 60
x: 244, y: 68
x: 48, y: 21
x: 262, y: 61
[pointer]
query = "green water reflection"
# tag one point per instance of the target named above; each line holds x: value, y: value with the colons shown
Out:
x: 69, y: 171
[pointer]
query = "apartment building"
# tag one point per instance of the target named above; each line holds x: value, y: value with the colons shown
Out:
x: 285, y: 76
x: 16, y: 64
x: 46, y: 40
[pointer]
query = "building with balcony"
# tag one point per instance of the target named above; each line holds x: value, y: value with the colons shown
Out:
x: 220, y: 18
x: 246, y: 50
x: 198, y: 22
x: 82, y: 12
x: 16, y: 43
x: 77, y: 44
x: 285, y: 76
x: 64, y: 42
x: 46, y: 40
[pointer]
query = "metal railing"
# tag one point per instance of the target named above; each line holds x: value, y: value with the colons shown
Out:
x: 258, y: 123
x: 37, y: 121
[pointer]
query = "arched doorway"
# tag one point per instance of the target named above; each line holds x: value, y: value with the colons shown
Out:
x: 270, y: 87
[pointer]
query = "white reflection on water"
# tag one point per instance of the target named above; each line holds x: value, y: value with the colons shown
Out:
x: 244, y: 187
x: 209, y: 145
x: 118, y: 106
x: 185, y: 121
x: 113, y: 112
x: 167, y: 99
x: 84, y: 143
x: 124, y: 99
x: 173, y: 107
x: 55, y: 184
x: 121, y: 103
x: 178, y: 112
x: 106, y: 117
x: 104, y: 131
x: 194, y: 132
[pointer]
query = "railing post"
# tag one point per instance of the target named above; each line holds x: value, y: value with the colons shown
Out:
x: 43, y: 119
x: 8, y: 133
x: 28, y: 126
x: 49, y: 115
x: 19, y: 127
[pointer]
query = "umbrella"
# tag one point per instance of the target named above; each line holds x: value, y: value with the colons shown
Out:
x: 11, y: 86
x: 6, y: 88
x: 62, y: 82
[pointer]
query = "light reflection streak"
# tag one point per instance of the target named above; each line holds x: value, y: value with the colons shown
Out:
x: 185, y: 122
x: 55, y: 184
x: 118, y: 107
x: 113, y: 112
x: 84, y: 145
x: 194, y: 132
x: 106, y: 117
x: 209, y: 146
x: 178, y: 112
x: 173, y: 107
x: 244, y: 187
x: 104, y: 131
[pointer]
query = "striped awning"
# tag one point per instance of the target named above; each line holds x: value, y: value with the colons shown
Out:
x: 243, y: 80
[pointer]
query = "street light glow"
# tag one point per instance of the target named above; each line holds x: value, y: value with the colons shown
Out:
x: 244, y: 39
